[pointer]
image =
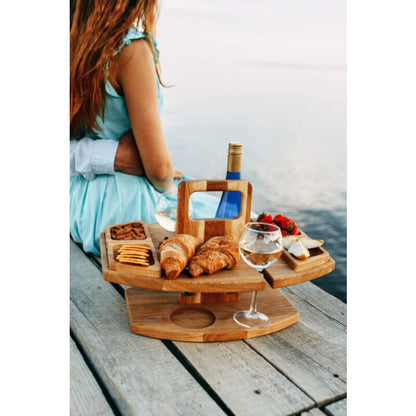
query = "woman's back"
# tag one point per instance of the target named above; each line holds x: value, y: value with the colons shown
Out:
x: 116, y: 121
x: 110, y: 97
x: 111, y: 199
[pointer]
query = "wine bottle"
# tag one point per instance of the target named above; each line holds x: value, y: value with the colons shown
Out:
x: 229, y: 206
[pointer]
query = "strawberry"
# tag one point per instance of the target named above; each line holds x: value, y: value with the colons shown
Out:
x: 295, y: 230
x: 278, y: 218
x: 285, y: 222
x: 289, y: 227
x: 267, y: 219
x: 286, y: 225
x: 261, y: 216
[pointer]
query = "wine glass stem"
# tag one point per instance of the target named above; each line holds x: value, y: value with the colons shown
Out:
x: 253, y: 307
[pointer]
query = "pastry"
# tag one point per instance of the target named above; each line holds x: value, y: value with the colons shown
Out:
x: 215, y: 254
x: 175, y: 253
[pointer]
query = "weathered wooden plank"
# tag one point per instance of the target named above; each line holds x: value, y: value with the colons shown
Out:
x: 313, y: 412
x: 338, y: 408
x: 306, y: 353
x: 328, y: 304
x: 312, y: 314
x: 86, y: 396
x: 300, y: 354
x: 140, y: 374
x: 246, y: 383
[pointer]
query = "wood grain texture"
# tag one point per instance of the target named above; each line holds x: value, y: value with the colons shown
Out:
x: 338, y: 408
x: 303, y: 352
x: 310, y: 360
x: 197, y: 298
x: 248, y: 384
x: 327, y: 304
x: 313, y: 352
x: 326, y: 316
x: 207, y: 228
x: 86, y: 396
x: 292, y: 271
x: 280, y: 274
x: 139, y: 373
x: 317, y: 257
x: 313, y: 412
x: 151, y: 313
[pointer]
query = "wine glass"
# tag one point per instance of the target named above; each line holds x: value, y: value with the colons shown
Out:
x: 167, y: 209
x: 260, y: 246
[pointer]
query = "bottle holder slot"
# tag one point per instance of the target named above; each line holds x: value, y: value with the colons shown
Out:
x: 206, y: 228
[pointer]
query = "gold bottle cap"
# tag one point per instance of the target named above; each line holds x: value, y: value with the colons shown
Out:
x: 235, y: 148
x: 235, y: 152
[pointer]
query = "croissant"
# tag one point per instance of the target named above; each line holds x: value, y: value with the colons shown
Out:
x: 215, y: 254
x: 175, y: 253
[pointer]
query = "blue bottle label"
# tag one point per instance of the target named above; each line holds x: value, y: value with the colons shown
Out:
x: 230, y: 203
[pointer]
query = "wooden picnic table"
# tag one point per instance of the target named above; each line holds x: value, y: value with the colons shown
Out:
x: 300, y: 370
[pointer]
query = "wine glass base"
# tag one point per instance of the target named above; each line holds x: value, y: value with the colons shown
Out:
x: 251, y: 320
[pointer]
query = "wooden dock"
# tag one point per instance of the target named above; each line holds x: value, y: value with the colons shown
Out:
x: 300, y: 370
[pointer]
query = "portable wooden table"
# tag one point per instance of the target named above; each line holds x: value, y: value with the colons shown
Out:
x: 204, y: 312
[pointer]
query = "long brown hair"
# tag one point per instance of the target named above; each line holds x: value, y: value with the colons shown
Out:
x: 97, y: 30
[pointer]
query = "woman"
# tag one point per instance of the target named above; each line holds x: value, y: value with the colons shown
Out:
x: 120, y: 162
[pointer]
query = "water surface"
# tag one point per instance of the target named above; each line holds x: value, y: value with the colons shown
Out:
x: 272, y: 75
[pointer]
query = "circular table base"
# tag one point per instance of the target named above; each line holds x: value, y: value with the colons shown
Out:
x: 159, y: 315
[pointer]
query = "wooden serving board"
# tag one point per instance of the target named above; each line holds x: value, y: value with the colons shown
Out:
x: 152, y: 270
x: 318, y: 256
x: 242, y: 278
x: 279, y: 274
x: 292, y: 271
x: 113, y: 246
x: 210, y: 227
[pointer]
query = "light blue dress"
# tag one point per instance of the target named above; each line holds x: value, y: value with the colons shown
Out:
x: 116, y: 198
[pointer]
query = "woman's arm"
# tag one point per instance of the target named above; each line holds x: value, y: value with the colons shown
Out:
x: 89, y: 157
x: 127, y: 157
x: 136, y: 76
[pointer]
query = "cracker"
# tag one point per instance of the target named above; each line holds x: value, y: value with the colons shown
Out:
x: 124, y: 257
x: 141, y: 250
x: 138, y: 253
x: 135, y: 247
x: 133, y: 256
x: 138, y: 262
